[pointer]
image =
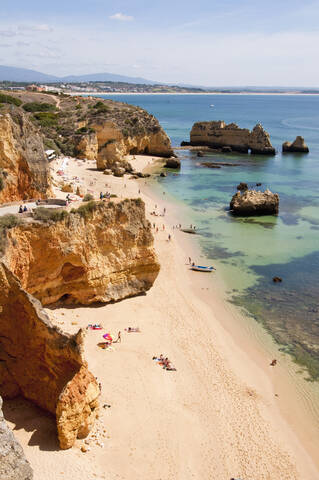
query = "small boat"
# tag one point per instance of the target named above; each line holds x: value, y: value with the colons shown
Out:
x: 199, y: 268
x: 212, y: 105
x: 189, y: 230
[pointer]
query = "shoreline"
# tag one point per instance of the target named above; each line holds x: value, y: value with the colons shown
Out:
x: 218, y: 413
x: 96, y: 94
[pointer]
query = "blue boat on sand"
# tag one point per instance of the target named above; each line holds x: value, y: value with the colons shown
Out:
x: 199, y: 268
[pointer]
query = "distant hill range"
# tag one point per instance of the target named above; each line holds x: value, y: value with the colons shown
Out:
x: 14, y: 74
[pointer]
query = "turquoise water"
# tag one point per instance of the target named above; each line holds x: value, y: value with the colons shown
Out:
x: 249, y: 252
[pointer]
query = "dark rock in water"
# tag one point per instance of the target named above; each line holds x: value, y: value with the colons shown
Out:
x: 200, y: 153
x: 173, y: 163
x: 258, y: 184
x: 163, y: 174
x: 277, y: 279
x: 185, y: 144
x: 142, y: 175
x: 298, y: 146
x: 210, y: 165
x: 253, y: 202
x: 227, y: 149
x: 242, y: 186
x: 13, y: 464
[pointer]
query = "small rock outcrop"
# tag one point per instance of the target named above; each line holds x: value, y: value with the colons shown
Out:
x: 102, y: 252
x: 13, y: 464
x: 173, y: 162
x: 45, y: 365
x: 252, y: 202
x: 228, y: 138
x: 298, y: 146
x: 242, y: 186
x: 24, y: 168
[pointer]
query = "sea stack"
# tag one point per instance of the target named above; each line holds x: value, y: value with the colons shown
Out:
x: 298, y: 146
x: 228, y: 138
x: 253, y: 202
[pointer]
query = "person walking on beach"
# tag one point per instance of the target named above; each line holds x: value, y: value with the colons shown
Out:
x: 118, y: 340
x: 189, y: 260
x: 163, y: 226
x: 169, y: 237
x: 164, y: 210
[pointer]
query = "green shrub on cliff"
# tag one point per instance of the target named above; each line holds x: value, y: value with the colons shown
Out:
x: 50, y: 214
x: 46, y: 119
x: 88, y: 198
x: 7, y: 222
x: 39, y: 107
x: 86, y: 209
x: 8, y: 99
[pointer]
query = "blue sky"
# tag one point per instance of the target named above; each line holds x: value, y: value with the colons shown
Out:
x: 223, y: 42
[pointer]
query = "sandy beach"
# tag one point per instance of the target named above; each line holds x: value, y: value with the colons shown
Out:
x: 224, y: 413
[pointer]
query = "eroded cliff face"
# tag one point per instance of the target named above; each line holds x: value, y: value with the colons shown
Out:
x: 13, y: 464
x: 24, y: 169
x: 217, y: 134
x: 45, y: 365
x: 113, y: 145
x: 99, y: 256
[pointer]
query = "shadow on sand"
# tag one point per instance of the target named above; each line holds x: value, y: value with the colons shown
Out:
x: 24, y: 415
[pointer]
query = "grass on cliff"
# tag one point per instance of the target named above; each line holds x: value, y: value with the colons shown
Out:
x: 7, y: 222
x: 8, y: 99
x: 47, y: 215
x: 38, y: 107
x: 46, y: 119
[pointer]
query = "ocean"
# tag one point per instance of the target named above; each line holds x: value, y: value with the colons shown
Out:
x: 249, y: 252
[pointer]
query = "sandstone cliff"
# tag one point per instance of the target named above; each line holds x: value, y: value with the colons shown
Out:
x: 299, y: 145
x: 95, y: 128
x: 217, y: 134
x: 13, y: 464
x: 101, y: 253
x: 252, y: 202
x: 24, y: 169
x: 45, y: 365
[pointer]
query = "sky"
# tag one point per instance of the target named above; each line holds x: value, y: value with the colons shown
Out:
x: 203, y: 42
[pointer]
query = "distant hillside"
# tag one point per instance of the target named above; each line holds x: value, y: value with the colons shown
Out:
x: 14, y: 74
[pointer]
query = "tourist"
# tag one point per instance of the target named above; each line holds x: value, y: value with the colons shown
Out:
x: 101, y: 196
x: 21, y: 209
x: 169, y: 237
x: 189, y: 260
x: 25, y: 208
x: 118, y: 340
x: 163, y: 226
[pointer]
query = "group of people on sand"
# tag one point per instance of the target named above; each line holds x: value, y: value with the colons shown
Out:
x: 165, y: 363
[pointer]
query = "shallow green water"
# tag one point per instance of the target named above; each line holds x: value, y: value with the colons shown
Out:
x: 249, y: 252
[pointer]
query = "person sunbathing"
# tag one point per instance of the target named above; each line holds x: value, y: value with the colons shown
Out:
x: 132, y: 329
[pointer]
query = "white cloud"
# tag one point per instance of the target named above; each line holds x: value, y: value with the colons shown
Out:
x: 7, y: 33
x: 35, y: 28
x: 121, y: 17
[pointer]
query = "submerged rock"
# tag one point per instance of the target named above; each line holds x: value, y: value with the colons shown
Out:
x: 252, y: 202
x: 13, y: 464
x: 299, y: 145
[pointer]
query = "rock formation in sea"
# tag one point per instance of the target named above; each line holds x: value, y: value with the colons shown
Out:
x: 43, y: 364
x: 24, y: 168
x: 103, y: 252
x: 253, y: 202
x: 299, y: 145
x: 217, y: 134
x: 13, y: 464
